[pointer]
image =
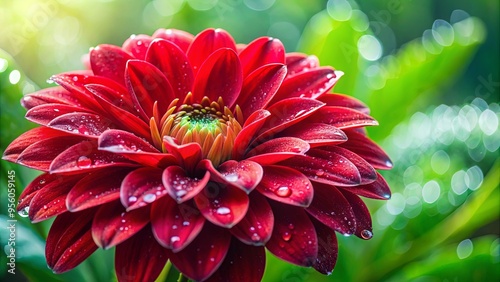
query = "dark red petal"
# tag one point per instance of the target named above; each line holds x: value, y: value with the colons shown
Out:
x: 379, y: 189
x: 366, y: 171
x: 244, y: 174
x: 179, y: 37
x: 174, y: 64
x: 332, y: 209
x: 342, y: 100
x: 45, y: 113
x: 316, y: 134
x: 327, y: 248
x: 262, y: 51
x: 219, y: 76
x: 137, y: 45
x: 189, y: 155
x: 180, y: 186
x: 259, y: 88
x: 85, y: 156
x: 367, y: 149
x: 298, y: 62
x: 83, y: 124
x: 50, y: 200
x: 257, y: 225
x: 286, y: 113
x: 326, y: 167
x: 141, y: 187
x: 52, y: 95
x: 148, y: 85
x: 236, y: 264
x: 206, y: 43
x: 310, y: 84
x: 140, y: 258
x: 40, y: 155
x: 247, y: 133
x: 223, y: 205
x: 204, y: 255
x: 35, y: 186
x: 286, y: 185
x: 96, y: 189
x: 70, y: 240
x: 175, y: 225
x: 294, y: 238
x: 278, y: 149
x: 109, y: 61
x: 362, y: 214
x: 27, y: 139
x: 113, y: 224
x: 342, y: 118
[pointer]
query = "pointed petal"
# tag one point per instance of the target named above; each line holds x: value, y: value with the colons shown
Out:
x: 316, y: 134
x: 294, y: 238
x: 109, y: 61
x: 366, y: 171
x: 174, y: 64
x: 262, y: 51
x: 223, y: 205
x: 332, y: 209
x: 137, y: 45
x: 277, y: 149
x: 244, y: 174
x: 286, y: 185
x: 327, y: 248
x: 362, y: 214
x: 342, y: 100
x: 51, y: 95
x: 74, y: 84
x: 297, y: 63
x: 180, y: 186
x: 204, y: 255
x: 175, y: 225
x: 257, y: 225
x: 179, y: 37
x: 45, y: 113
x: 247, y: 133
x: 206, y: 43
x: 112, y: 224
x: 189, y: 155
x: 259, y: 88
x: 235, y: 265
x: 133, y: 258
x: 379, y: 189
x: 35, y: 186
x: 342, y: 118
x: 367, y: 149
x: 141, y: 187
x: 69, y: 241
x: 82, y: 124
x: 219, y: 76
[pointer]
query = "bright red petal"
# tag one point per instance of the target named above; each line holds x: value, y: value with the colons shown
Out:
x: 179, y: 37
x: 260, y: 52
x: 44, y: 114
x: 137, y: 45
x: 180, y: 186
x: 142, y: 187
x: 316, y: 134
x: 83, y: 124
x: 52, y: 95
x: 342, y: 100
x: 247, y: 133
x: 109, y: 61
x: 244, y: 174
x: 277, y: 150
x: 342, y: 118
x: 298, y: 62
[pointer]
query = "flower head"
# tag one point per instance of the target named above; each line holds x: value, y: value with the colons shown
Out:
x: 201, y: 151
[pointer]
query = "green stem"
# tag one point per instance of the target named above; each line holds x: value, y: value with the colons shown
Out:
x: 182, y: 278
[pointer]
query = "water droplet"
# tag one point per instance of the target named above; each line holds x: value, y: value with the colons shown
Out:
x: 42, y: 181
x: 132, y: 199
x: 255, y: 237
x: 83, y: 162
x: 149, y: 198
x: 223, y: 211
x: 45, y: 207
x: 231, y: 177
x: 366, y: 234
x: 24, y: 212
x: 320, y: 172
x: 291, y: 226
x: 185, y: 223
x: 174, y: 239
x: 283, y: 191
x: 286, y: 236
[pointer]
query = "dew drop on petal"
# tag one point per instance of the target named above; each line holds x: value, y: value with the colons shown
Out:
x: 283, y: 191
x: 231, y: 177
x: 255, y: 237
x: 320, y: 172
x: 24, y: 212
x: 366, y: 234
x: 174, y: 239
x: 291, y: 226
x: 223, y: 211
x: 149, y: 198
x: 83, y: 162
x: 286, y: 236
x: 132, y: 199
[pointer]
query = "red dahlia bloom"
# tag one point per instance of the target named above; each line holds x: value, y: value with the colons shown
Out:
x: 200, y: 151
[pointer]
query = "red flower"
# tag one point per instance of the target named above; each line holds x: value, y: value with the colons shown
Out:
x: 200, y: 151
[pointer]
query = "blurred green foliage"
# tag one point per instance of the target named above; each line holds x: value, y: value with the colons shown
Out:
x: 427, y: 69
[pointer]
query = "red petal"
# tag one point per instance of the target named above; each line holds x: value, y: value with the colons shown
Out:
x: 259, y: 87
x: 257, y: 225
x: 180, y: 186
x: 342, y: 118
x: 83, y: 124
x: 52, y: 95
x: 96, y: 189
x: 247, y: 133
x: 206, y: 43
x: 278, y: 149
x: 113, y: 225
x: 363, y: 218
x: 379, y: 189
x: 69, y: 241
x: 244, y: 174
x: 137, y: 45
x: 204, y: 255
x: 366, y: 171
x: 189, y: 155
x: 109, y: 61
x: 326, y: 167
x: 310, y: 84
x: 236, y: 264
x: 262, y: 51
x: 175, y: 225
x: 286, y: 185
x: 294, y: 238
x: 327, y: 248
x: 223, y: 205
x: 341, y: 100
x: 148, y: 85
x: 297, y: 63
x: 316, y: 134
x: 367, y: 149
x: 74, y: 83
x: 141, y: 187
x: 36, y: 185
x: 219, y: 76
x: 179, y: 37
x: 140, y: 258
x: 174, y: 64
x: 45, y: 113
x: 332, y: 209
